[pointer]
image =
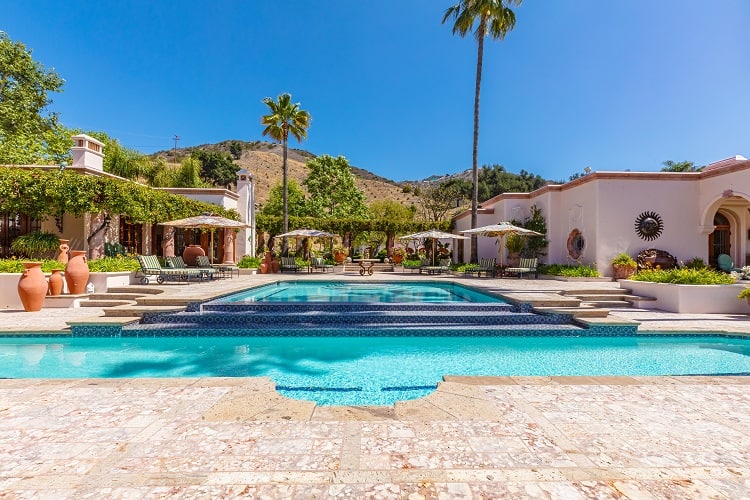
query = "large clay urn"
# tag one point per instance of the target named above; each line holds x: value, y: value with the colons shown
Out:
x: 190, y: 253
x: 32, y: 287
x: 77, y: 272
x: 56, y: 281
x: 64, y: 249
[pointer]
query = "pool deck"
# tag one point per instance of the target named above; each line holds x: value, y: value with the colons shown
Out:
x: 475, y: 437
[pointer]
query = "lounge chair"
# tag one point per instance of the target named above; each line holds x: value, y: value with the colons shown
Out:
x: 445, y: 264
x: 726, y: 264
x: 150, y: 266
x: 525, y: 266
x: 220, y: 270
x: 177, y: 262
x: 289, y: 264
x: 318, y: 264
x: 486, y: 266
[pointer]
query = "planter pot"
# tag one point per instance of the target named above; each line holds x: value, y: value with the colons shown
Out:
x: 63, y: 256
x: 56, y: 282
x: 339, y: 257
x: 398, y: 259
x: 32, y: 287
x: 77, y: 272
x: 190, y: 253
x: 622, y: 272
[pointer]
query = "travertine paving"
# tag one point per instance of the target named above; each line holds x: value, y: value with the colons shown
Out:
x: 505, y: 438
x: 475, y: 437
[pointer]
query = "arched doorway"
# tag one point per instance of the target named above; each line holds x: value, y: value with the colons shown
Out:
x: 719, y: 241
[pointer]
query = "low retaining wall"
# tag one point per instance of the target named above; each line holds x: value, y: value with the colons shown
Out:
x: 718, y: 299
x: 102, y: 282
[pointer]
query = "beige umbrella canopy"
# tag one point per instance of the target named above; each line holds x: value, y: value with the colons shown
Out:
x: 206, y: 221
x: 501, y: 230
x: 435, y: 235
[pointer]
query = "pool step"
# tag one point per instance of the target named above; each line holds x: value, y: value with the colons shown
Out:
x: 352, y: 318
x: 345, y: 307
x: 176, y: 330
x: 106, y: 303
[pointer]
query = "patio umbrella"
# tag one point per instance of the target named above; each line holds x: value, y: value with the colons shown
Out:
x: 206, y: 221
x: 435, y: 235
x: 501, y: 230
x: 306, y: 233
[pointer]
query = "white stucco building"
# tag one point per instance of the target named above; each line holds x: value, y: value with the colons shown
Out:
x: 595, y: 217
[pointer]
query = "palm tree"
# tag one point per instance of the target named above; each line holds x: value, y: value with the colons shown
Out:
x: 285, y: 118
x: 497, y: 19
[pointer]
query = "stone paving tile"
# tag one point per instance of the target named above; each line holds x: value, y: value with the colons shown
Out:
x: 559, y: 439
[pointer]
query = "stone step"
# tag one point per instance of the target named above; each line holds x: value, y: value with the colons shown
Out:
x: 576, y: 312
x: 599, y: 297
x: 115, y: 296
x: 135, y: 311
x: 596, y: 291
x: 143, y: 290
x: 614, y: 304
x: 105, y: 303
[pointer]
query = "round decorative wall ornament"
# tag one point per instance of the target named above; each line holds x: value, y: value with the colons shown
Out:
x: 576, y: 244
x: 648, y: 225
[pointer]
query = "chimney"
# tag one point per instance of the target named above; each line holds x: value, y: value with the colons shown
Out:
x: 87, y: 152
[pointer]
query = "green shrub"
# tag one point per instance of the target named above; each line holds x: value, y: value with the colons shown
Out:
x: 36, y: 245
x: 569, y: 271
x: 248, y: 262
x: 462, y: 268
x: 624, y: 259
x: 121, y: 263
x: 694, y: 263
x: 16, y: 265
x: 685, y: 276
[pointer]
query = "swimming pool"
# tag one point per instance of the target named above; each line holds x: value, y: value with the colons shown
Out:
x: 343, y: 291
x: 370, y: 370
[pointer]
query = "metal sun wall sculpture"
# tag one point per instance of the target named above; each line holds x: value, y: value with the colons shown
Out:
x: 648, y: 225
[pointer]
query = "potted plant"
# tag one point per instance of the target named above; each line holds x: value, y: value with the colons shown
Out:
x: 36, y: 245
x: 745, y: 294
x: 398, y: 255
x: 624, y: 266
x: 339, y: 254
x: 514, y: 243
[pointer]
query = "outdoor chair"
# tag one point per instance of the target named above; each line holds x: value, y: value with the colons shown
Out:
x: 221, y: 270
x: 150, y: 266
x: 525, y: 266
x: 445, y: 264
x: 289, y: 264
x: 178, y: 263
x: 318, y: 264
x: 486, y: 266
x: 726, y: 264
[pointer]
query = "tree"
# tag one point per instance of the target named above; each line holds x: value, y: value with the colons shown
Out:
x: 495, y: 18
x: 679, y: 166
x: 295, y: 201
x: 285, y: 118
x: 217, y: 167
x: 27, y: 133
x: 235, y: 149
x: 331, y: 188
x: 390, y: 210
x: 437, y: 199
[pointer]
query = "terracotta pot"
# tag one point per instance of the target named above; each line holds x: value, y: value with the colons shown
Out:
x: 56, y: 282
x: 339, y: 257
x: 32, y: 287
x: 274, y: 266
x: 263, y: 268
x: 623, y: 272
x: 77, y: 272
x: 398, y: 258
x: 64, y: 249
x: 190, y: 253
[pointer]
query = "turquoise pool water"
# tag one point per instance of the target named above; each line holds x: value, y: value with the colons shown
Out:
x: 327, y: 291
x: 369, y: 370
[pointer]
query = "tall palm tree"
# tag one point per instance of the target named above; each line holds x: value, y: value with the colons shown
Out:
x: 496, y: 19
x: 285, y: 118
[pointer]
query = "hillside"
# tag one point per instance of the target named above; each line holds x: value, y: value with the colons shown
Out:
x: 264, y: 161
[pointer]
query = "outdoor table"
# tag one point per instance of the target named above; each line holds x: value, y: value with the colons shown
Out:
x: 432, y: 269
x: 366, y: 265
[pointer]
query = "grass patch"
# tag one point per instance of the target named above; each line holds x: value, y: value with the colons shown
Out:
x: 569, y: 271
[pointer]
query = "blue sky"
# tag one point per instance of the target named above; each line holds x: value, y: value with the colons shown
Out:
x: 613, y: 85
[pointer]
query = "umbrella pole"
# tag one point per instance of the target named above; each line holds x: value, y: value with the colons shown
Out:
x: 211, y: 246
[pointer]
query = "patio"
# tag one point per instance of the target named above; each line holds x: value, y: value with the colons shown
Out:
x: 476, y: 437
